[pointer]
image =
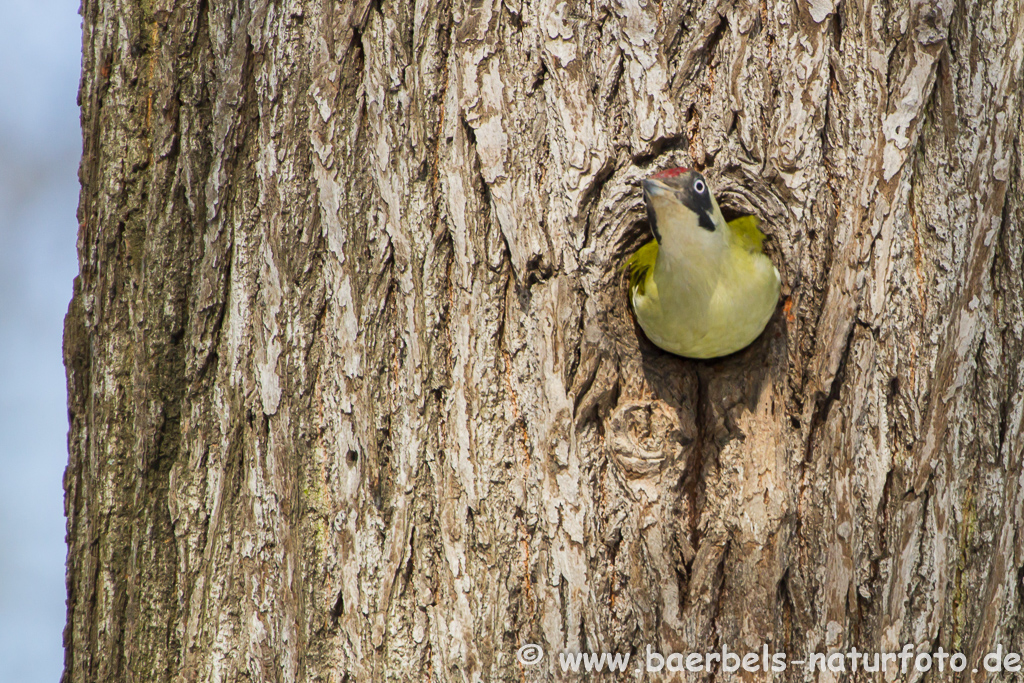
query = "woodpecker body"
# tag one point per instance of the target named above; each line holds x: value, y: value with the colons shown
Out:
x: 704, y: 287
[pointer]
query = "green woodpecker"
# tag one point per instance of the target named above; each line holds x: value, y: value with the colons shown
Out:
x: 702, y: 288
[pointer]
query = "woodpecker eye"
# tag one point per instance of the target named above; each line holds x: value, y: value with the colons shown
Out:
x: 699, y: 186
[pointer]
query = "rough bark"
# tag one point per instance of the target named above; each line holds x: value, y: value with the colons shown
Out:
x: 354, y: 389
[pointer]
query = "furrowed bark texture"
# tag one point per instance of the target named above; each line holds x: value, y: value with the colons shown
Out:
x: 354, y: 389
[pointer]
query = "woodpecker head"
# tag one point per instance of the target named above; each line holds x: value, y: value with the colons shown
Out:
x: 682, y: 211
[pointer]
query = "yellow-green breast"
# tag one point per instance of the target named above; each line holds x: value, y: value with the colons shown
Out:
x: 705, y: 310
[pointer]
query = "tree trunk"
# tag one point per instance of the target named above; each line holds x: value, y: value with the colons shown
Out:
x: 356, y: 394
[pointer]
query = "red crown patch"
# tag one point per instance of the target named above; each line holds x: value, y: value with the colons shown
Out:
x: 670, y: 172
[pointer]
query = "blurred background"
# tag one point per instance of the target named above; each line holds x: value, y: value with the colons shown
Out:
x: 40, y: 144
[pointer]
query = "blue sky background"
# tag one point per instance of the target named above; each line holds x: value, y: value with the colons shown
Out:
x: 40, y: 144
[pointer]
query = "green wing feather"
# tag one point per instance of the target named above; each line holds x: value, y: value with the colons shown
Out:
x: 640, y: 265
x: 746, y: 234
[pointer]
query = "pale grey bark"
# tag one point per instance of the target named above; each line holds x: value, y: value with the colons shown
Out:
x: 354, y: 389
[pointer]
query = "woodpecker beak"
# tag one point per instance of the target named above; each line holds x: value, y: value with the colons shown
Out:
x: 654, y: 188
